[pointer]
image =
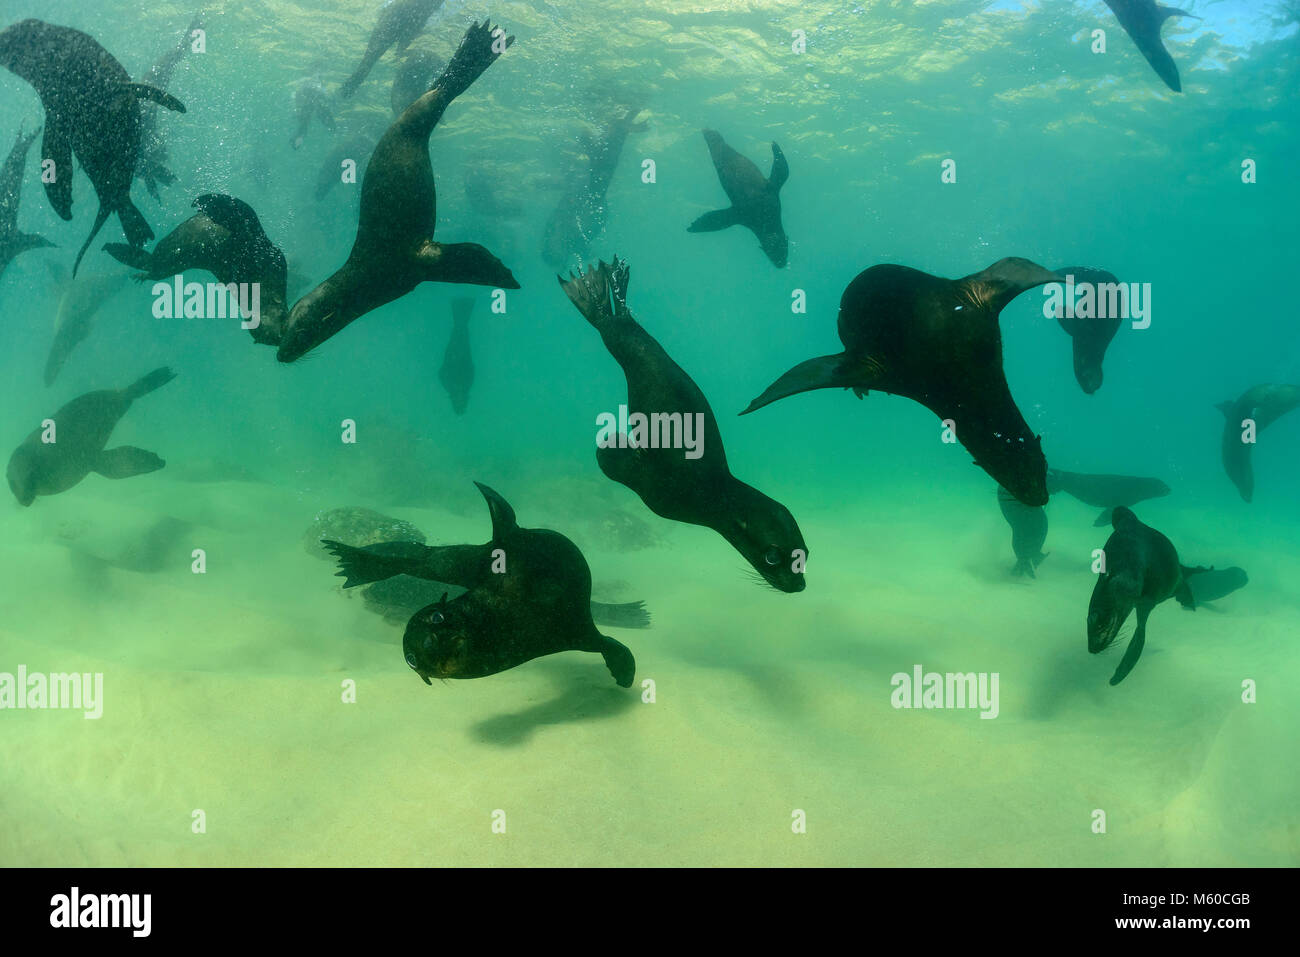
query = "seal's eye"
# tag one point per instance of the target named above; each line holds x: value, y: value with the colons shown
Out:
x: 410, y: 660
x: 772, y: 555
x: 436, y: 618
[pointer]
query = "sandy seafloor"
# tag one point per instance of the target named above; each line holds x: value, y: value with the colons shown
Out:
x: 223, y: 692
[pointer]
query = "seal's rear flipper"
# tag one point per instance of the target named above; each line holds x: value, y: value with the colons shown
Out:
x: 146, y: 384
x: 600, y: 293
x: 780, y: 169
x: 618, y: 660
x: 824, y: 372
x: 101, y: 217
x: 631, y: 614
x: 716, y: 220
x: 1134, y: 650
x: 463, y: 262
x: 132, y: 256
x: 1184, y: 594
x: 126, y: 461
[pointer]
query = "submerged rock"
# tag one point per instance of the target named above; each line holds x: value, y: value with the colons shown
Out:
x: 357, y: 527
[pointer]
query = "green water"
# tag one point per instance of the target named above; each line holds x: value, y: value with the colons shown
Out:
x: 224, y: 691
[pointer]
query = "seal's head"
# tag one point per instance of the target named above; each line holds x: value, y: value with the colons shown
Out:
x: 439, y: 643
x: 767, y: 535
x: 314, y: 318
x: 1117, y: 590
x: 22, y: 475
x: 775, y: 244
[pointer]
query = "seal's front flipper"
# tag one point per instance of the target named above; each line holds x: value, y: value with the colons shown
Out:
x: 1104, y: 519
x: 362, y: 566
x: 619, y: 661
x: 1134, y: 650
x: 57, y: 146
x: 716, y: 220
x: 132, y: 256
x: 463, y: 262
x: 477, y: 52
x: 1005, y: 279
x: 780, y: 169
x: 631, y: 614
x: 144, y: 91
x: 126, y: 461
x: 1184, y: 594
x: 824, y: 372
x: 503, y: 516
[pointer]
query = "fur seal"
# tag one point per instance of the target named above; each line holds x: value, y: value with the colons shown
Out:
x: 697, y: 491
x: 580, y: 215
x: 528, y: 595
x: 13, y: 240
x: 1142, y: 570
x: 1091, y: 336
x: 1216, y: 583
x: 310, y: 100
x: 1142, y: 20
x: 82, y: 428
x: 1028, y: 532
x: 1264, y: 404
x: 92, y: 109
x: 79, y: 303
x: 457, y: 372
x: 400, y: 22
x: 226, y: 238
x: 152, y: 167
x: 755, y: 200
x: 937, y: 342
x: 1105, y: 491
x: 394, y: 252
x: 413, y: 78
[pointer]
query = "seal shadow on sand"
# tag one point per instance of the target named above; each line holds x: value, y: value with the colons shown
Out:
x: 583, y: 696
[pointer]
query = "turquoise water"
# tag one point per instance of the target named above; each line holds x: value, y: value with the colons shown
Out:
x: 222, y: 691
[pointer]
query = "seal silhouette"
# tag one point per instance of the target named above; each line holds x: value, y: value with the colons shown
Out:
x: 152, y: 168
x: 700, y: 490
x: 1141, y: 571
x: 226, y: 238
x: 1216, y: 583
x: 937, y: 342
x: 400, y: 22
x: 528, y: 595
x: 457, y: 371
x: 13, y: 240
x: 1263, y: 405
x: 1105, y: 491
x: 1028, y: 532
x: 92, y: 110
x: 755, y: 199
x: 394, y: 251
x: 1090, y: 337
x: 81, y: 430
x: 1142, y: 21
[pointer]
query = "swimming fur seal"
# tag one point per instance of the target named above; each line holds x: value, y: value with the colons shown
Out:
x: 937, y: 342
x: 394, y: 252
x: 400, y: 22
x: 82, y: 428
x: 457, y: 372
x: 310, y: 100
x: 1142, y: 20
x: 1090, y: 336
x: 1142, y: 570
x: 1264, y: 404
x: 13, y: 240
x: 79, y: 302
x: 226, y: 238
x: 755, y: 200
x: 152, y: 167
x: 1028, y: 532
x: 92, y: 109
x: 1105, y: 491
x: 580, y: 215
x: 1216, y: 583
x: 698, y: 491
x: 528, y: 594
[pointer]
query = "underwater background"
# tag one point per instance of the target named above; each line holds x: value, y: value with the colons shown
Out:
x: 222, y: 691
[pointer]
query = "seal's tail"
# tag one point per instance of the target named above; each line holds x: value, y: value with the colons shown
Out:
x: 618, y: 660
x: 600, y: 293
x: 154, y: 380
x: 632, y: 614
